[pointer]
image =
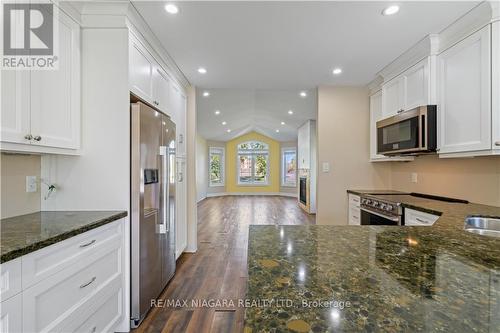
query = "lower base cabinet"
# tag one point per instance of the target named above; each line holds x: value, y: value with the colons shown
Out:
x: 11, y: 319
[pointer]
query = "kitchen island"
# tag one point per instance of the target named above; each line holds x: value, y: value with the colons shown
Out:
x: 375, y: 278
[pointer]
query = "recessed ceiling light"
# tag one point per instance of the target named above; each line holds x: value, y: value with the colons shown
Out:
x: 337, y: 71
x: 171, y: 8
x: 202, y: 70
x: 282, y: 123
x: 217, y: 112
x: 391, y: 10
x: 303, y: 94
x: 290, y: 112
x: 228, y: 130
x: 277, y: 131
x: 206, y: 94
x: 224, y: 123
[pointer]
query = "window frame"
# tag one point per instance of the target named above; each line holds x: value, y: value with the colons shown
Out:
x: 252, y: 153
x: 285, y: 150
x: 214, y: 150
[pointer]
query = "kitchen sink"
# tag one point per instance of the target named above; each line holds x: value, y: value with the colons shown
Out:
x: 486, y: 226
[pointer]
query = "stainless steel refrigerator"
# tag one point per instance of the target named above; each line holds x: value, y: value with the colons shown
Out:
x: 152, y: 195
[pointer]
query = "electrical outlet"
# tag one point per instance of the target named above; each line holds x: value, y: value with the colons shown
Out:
x: 31, y: 185
x: 414, y: 177
x: 326, y: 167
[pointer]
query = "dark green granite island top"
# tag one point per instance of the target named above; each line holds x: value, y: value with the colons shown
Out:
x: 23, y: 234
x: 376, y: 278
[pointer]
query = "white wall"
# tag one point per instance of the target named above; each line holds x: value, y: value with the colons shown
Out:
x: 344, y: 142
x: 201, y: 168
x: 192, y: 215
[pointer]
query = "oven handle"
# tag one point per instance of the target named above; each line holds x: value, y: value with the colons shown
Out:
x: 394, y: 219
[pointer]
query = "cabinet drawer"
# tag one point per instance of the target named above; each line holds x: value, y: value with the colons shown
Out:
x: 354, y: 200
x: 40, y: 264
x: 418, y: 218
x: 10, y: 278
x: 50, y: 301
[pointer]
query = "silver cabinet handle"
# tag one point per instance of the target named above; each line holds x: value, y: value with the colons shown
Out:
x: 400, y: 110
x: 88, y: 283
x: 37, y: 138
x: 497, y: 143
x: 422, y: 221
x: 88, y: 244
x: 180, y: 178
x: 28, y: 137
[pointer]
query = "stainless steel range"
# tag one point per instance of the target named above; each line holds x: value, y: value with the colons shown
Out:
x: 377, y: 211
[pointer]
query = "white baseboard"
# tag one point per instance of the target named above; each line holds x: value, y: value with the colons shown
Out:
x: 222, y: 194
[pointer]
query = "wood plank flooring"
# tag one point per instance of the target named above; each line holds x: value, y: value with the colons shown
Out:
x: 218, y: 271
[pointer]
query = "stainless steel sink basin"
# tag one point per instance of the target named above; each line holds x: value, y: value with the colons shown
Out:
x: 486, y: 226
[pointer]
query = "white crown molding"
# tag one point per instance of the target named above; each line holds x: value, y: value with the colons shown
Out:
x: 375, y: 85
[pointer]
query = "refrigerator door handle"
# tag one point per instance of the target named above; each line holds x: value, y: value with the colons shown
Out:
x: 163, y: 226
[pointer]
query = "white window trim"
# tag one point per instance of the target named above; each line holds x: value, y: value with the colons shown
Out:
x: 252, y: 153
x: 282, y: 167
x: 223, y: 168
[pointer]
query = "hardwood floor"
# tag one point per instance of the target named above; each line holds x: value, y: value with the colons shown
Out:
x: 218, y: 270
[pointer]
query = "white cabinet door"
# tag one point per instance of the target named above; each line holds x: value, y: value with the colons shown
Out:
x: 181, y: 208
x: 161, y: 87
x: 140, y: 71
x: 495, y: 34
x: 178, y: 107
x: 417, y: 218
x: 375, y: 115
x: 11, y: 315
x: 464, y: 73
x: 354, y: 210
x: 15, y: 106
x: 303, y: 145
x: 416, y: 85
x: 55, y: 94
x: 392, y: 97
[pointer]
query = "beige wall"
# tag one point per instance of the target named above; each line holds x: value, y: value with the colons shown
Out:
x: 343, y: 141
x: 475, y: 179
x: 201, y: 168
x: 14, y: 169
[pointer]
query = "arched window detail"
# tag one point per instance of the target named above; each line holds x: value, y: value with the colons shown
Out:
x: 253, y: 163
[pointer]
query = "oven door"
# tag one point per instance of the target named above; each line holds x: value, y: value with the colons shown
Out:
x: 371, y: 218
x: 398, y: 136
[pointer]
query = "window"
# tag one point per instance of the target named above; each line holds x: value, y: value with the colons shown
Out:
x: 253, y: 163
x: 216, y: 166
x: 289, y: 167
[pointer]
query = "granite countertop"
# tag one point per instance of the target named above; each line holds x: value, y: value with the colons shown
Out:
x: 23, y: 234
x: 376, y: 278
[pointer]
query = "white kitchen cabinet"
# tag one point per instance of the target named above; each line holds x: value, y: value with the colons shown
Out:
x: 178, y: 104
x: 11, y: 315
x: 41, y: 108
x: 354, y: 212
x: 181, y: 208
x: 140, y: 70
x: 495, y: 80
x: 464, y: 74
x: 392, y: 97
x: 417, y: 218
x: 10, y: 278
x: 161, y: 90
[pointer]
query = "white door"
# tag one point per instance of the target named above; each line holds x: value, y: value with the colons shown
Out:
x: 495, y: 33
x: 55, y: 94
x: 375, y: 115
x: 181, y: 205
x: 392, y: 97
x: 464, y: 95
x: 161, y: 87
x: 416, y: 85
x: 11, y: 315
x: 140, y: 71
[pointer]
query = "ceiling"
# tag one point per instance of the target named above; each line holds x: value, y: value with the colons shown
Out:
x: 259, y: 55
x: 253, y: 110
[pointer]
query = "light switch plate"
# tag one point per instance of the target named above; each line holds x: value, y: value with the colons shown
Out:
x: 31, y: 184
x: 414, y: 177
x: 326, y: 167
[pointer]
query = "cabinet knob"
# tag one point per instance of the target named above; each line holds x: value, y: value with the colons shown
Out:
x: 28, y: 137
x: 497, y: 143
x: 37, y: 138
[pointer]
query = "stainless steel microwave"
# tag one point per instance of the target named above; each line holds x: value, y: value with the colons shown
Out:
x: 408, y: 132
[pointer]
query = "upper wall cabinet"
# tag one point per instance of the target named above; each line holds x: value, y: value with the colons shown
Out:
x: 495, y: 34
x: 408, y: 90
x: 41, y: 108
x: 147, y: 79
x: 464, y: 80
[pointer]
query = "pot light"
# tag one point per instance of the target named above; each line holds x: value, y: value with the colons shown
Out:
x: 282, y: 123
x: 391, y: 10
x: 277, y: 131
x: 290, y: 112
x: 303, y: 94
x: 217, y: 112
x: 206, y: 94
x: 171, y: 8
x: 337, y: 71
x: 228, y: 130
x: 224, y: 123
x: 202, y: 70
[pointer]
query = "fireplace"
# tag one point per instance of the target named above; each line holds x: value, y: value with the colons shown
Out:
x: 303, y: 190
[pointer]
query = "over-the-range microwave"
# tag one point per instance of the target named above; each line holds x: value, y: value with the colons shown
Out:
x: 408, y: 132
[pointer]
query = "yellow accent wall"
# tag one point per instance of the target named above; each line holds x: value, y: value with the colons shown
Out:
x: 274, y: 164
